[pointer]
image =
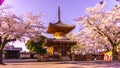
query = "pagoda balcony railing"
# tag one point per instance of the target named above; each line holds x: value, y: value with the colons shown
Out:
x: 53, y: 41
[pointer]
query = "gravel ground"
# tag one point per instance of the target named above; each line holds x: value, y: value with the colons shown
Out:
x: 61, y: 64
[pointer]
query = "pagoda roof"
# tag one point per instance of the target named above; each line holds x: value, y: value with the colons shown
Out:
x: 59, y: 27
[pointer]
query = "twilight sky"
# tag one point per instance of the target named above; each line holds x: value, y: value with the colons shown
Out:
x: 70, y: 9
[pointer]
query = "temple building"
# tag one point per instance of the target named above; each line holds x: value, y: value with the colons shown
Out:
x: 11, y: 52
x: 59, y: 44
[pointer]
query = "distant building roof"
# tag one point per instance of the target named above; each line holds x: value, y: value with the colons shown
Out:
x: 11, y: 47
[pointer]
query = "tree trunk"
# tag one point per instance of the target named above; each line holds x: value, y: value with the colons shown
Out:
x: 1, y: 57
x: 40, y: 57
x: 114, y: 53
x: 118, y: 56
x: 73, y: 57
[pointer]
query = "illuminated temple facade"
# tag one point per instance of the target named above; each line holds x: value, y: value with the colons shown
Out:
x: 59, y: 44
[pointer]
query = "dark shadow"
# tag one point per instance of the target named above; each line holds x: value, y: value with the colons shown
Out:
x: 31, y: 63
x: 2, y: 64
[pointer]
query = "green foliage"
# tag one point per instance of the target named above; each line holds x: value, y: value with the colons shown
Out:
x: 36, y: 46
x: 73, y: 48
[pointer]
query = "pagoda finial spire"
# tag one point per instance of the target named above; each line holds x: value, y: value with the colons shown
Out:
x: 59, y: 13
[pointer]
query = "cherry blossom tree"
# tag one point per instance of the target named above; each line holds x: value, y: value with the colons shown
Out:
x: 118, y: 0
x: 13, y: 27
x: 100, y: 27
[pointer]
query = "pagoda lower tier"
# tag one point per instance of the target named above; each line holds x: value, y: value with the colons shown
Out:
x: 61, y: 46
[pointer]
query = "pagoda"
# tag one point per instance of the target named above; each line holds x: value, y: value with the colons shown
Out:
x: 59, y: 44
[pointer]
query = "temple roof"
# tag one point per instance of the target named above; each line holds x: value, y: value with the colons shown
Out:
x: 12, y: 48
x: 59, y: 26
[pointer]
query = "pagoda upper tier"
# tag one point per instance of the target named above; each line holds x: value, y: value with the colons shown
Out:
x: 59, y: 26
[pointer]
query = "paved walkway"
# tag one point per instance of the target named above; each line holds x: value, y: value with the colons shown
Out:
x: 62, y: 64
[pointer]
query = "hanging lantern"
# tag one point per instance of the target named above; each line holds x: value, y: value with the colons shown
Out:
x: 108, y: 56
x: 50, y: 50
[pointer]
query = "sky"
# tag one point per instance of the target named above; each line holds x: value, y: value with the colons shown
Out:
x: 70, y: 9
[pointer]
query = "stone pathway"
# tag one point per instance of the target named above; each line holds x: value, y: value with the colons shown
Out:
x: 63, y: 64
